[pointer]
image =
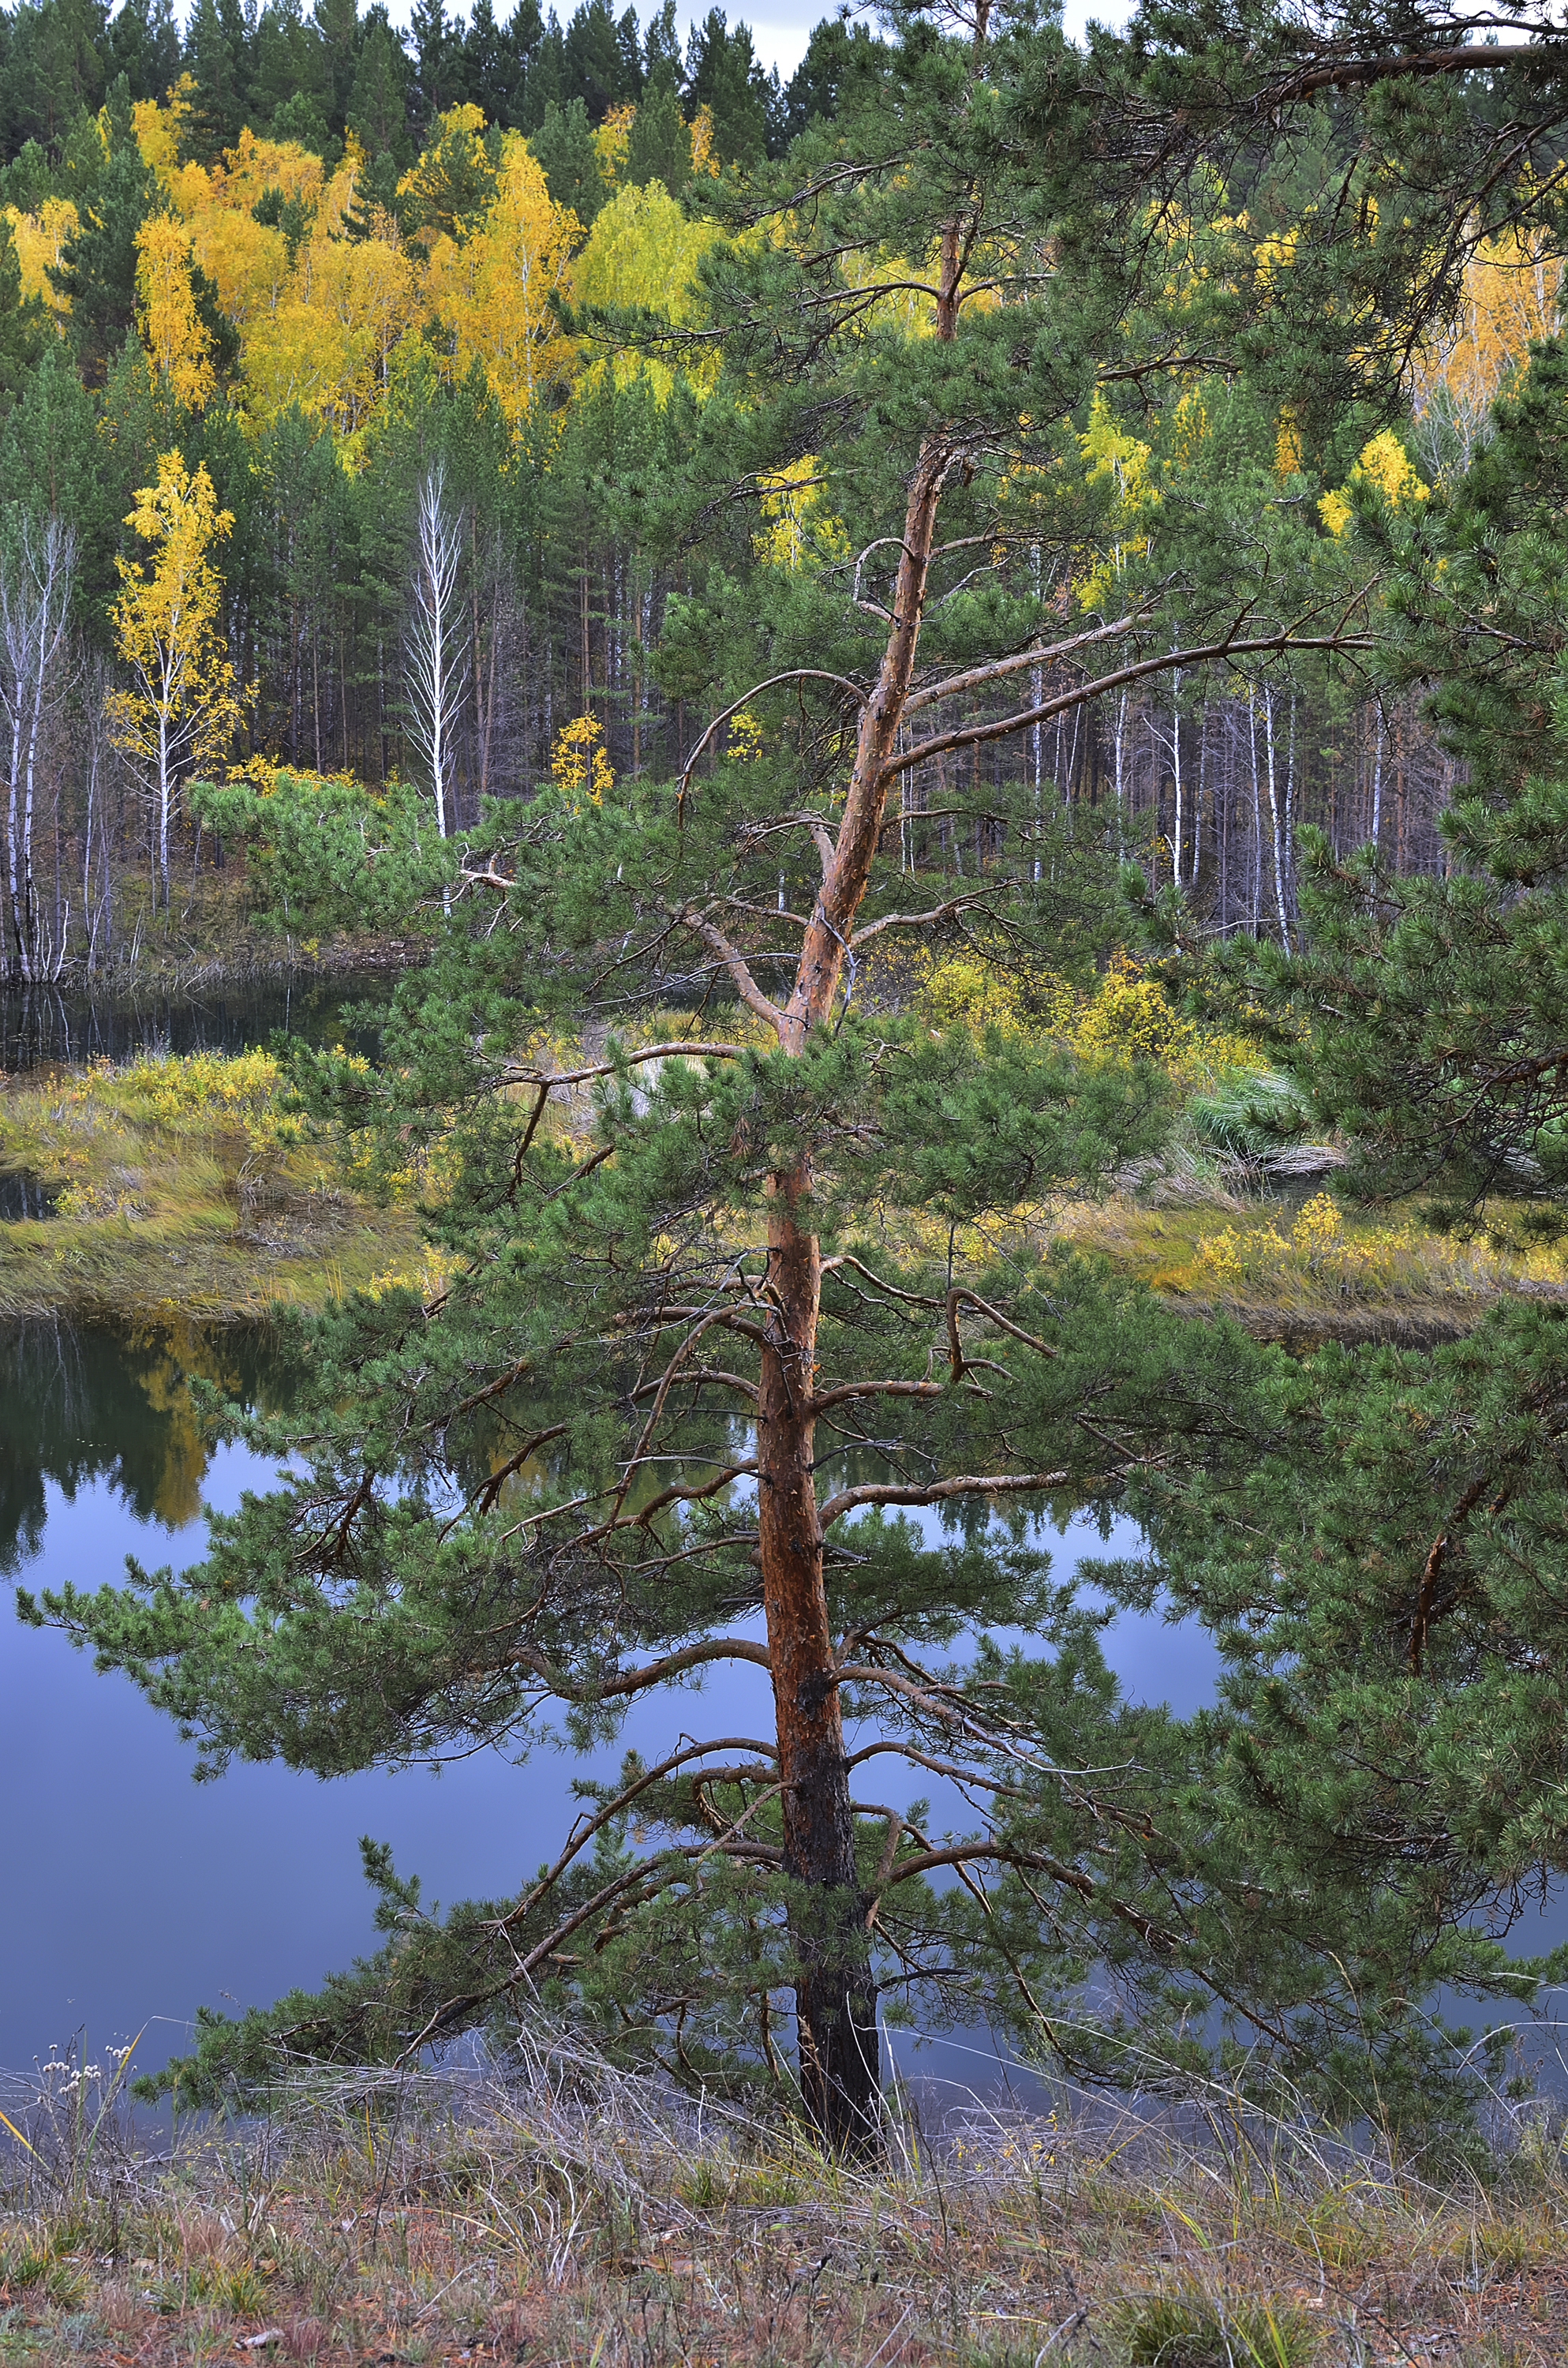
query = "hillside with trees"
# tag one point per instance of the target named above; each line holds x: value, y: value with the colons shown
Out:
x: 320, y: 264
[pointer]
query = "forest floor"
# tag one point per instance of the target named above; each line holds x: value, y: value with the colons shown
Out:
x: 179, y: 1185
x: 567, y: 2214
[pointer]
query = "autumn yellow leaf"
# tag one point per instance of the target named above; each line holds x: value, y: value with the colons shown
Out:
x: 490, y: 294
x: 179, y: 346
x: 182, y: 706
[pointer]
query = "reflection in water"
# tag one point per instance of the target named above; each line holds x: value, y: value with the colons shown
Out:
x: 24, y: 1196
x: 40, y: 1026
x: 131, y: 1892
x: 99, y: 1402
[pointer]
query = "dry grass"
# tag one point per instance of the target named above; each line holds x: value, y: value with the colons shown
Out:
x: 180, y: 1184
x: 558, y: 2212
x: 1312, y: 1268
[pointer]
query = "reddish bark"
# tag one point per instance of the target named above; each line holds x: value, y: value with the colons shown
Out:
x: 836, y: 1995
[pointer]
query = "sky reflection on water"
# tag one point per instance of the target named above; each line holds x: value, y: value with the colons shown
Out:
x: 133, y: 1894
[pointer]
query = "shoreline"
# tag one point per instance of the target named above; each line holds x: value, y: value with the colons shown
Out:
x: 146, y: 979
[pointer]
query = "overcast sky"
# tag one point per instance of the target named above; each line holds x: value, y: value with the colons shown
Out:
x: 780, y: 28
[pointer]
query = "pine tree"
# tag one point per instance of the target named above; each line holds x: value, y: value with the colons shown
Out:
x: 145, y: 46
x: 437, y: 43
x: 55, y: 63
x: 597, y: 69
x: 713, y: 1328
x: 660, y: 145
x: 338, y: 30
x: 97, y: 271
x: 661, y: 58
x: 378, y: 106
x: 217, y: 58
x: 564, y: 146
x: 289, y: 70
x: 722, y: 73
x: 842, y: 65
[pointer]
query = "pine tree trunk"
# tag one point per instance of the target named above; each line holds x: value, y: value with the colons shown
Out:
x: 835, y: 1997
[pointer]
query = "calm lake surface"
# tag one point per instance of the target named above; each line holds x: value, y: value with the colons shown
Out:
x: 131, y: 1894
x: 42, y: 1026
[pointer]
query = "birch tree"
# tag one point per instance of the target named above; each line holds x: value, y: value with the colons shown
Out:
x: 436, y: 675
x: 37, y: 565
x: 183, y: 705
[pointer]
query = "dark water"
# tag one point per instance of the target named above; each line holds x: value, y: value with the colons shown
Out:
x: 131, y: 1894
x: 42, y: 1026
x: 22, y: 1195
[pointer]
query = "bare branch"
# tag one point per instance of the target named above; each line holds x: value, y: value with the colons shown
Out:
x: 795, y: 673
x: 1038, y: 655
x: 928, y: 920
x: 1345, y: 73
x: 958, y: 1296
x: 676, y: 1045
x: 934, y: 1492
x: 734, y: 961
x: 652, y: 1673
x: 847, y: 1389
x: 1004, y: 727
x: 586, y: 1826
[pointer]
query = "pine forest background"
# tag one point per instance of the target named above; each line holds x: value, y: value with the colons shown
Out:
x: 333, y: 266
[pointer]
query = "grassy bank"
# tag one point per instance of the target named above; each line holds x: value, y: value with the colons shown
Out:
x: 1311, y: 1269
x: 181, y: 1184
x: 565, y: 2213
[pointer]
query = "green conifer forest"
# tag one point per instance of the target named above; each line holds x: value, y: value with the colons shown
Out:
x: 925, y: 653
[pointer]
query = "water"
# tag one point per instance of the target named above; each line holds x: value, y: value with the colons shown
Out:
x: 131, y: 1894
x: 42, y: 1026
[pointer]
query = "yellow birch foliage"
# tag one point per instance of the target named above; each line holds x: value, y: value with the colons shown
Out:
x: 578, y: 764
x: 179, y: 349
x: 41, y: 241
x: 159, y: 128
x: 247, y: 262
x: 251, y: 167
x: 612, y: 141
x: 490, y: 294
x: 184, y: 707
x: 1114, y: 457
x: 801, y: 526
x: 1385, y: 464
x: 1511, y: 296
x: 642, y: 249
x: 703, y: 160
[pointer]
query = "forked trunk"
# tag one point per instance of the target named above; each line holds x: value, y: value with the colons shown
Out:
x: 836, y: 1995
x: 835, y: 1998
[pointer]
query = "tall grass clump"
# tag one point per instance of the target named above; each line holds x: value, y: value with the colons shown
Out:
x: 547, y: 2207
